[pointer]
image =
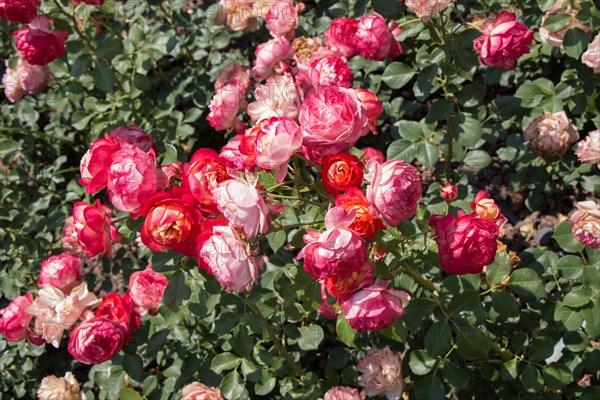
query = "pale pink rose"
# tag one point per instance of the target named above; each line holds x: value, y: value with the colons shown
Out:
x: 243, y: 206
x: 276, y: 143
x: 55, y: 388
x: 372, y: 154
x: 335, y: 252
x: 394, y: 190
x: 556, y: 38
x: 591, y: 57
x: 589, y: 148
x: 229, y: 259
x: 26, y: 78
x: 381, y: 373
x: 132, y: 136
x: 426, y: 8
x: 234, y: 73
x: 96, y: 162
x: 225, y: 106
x: 341, y: 36
x: 344, y: 393
x: 551, y: 134
x: 147, y: 288
x: 271, y: 57
x: 232, y: 155
x: 68, y: 240
x: 61, y: 271
x: 586, y: 223
x: 199, y: 391
x: 276, y: 98
x: 282, y: 17
x: 132, y: 178
x: 15, y: 320
x: 12, y: 85
x: 375, y: 39
x: 330, y: 71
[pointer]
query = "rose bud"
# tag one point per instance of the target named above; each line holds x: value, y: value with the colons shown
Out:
x: 394, y: 190
x: 341, y: 172
x: 374, y: 307
x: 96, y: 162
x: 272, y: 57
x: 202, y: 175
x: 340, y: 36
x: 503, y: 41
x: 225, y: 106
x: 20, y: 11
x: 14, y: 320
x: 449, y: 192
x: 172, y: 222
x: 591, y: 57
x: 68, y: 240
x: 556, y: 38
x: 278, y: 97
x: 228, y: 258
x: 282, y: 17
x: 372, y: 106
x: 234, y: 73
x: 426, y: 8
x: 367, y: 221
x: 243, y: 206
x: 586, y: 223
x: 588, y: 150
x: 146, y: 289
x: 342, y: 285
x: 337, y: 251
x: 375, y: 40
x: 486, y: 208
x: 199, y: 391
x: 38, y: 44
x: 61, y: 271
x: 93, y: 229
x: 132, y: 136
x: 330, y: 71
x: 119, y: 309
x: 466, y: 244
x: 96, y: 340
x: 551, y: 134
x: 55, y: 388
x: 374, y: 155
x: 343, y: 393
x: 381, y: 373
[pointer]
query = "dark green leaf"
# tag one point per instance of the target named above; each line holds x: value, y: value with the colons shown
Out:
x: 176, y: 291
x: 430, y: 388
x: 396, y: 75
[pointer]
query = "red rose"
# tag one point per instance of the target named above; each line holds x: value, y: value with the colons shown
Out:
x: 367, y: 220
x: 449, y: 192
x: 96, y: 162
x: 38, y: 44
x: 22, y: 11
x: 93, y: 229
x: 341, y: 171
x: 340, y: 36
x: 96, y: 340
x: 119, y: 309
x: 201, y: 175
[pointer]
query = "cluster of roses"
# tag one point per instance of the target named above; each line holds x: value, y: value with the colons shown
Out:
x: 63, y: 303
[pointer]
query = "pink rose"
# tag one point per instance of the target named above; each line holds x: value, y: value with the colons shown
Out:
x: 466, y: 244
x: 234, y: 73
x: 21, y: 11
x: 337, y: 251
x: 551, y: 134
x: 486, y: 208
x: 96, y: 162
x: 228, y: 258
x: 199, y: 391
x: 586, y: 223
x: 119, y: 309
x: 225, y: 106
x: 232, y: 155
x: 26, y: 78
x: 372, y: 106
x: 282, y: 17
x: 202, y: 175
x: 503, y: 41
x: 591, y: 57
x: 340, y: 36
x: 381, y: 373
x: 589, y: 148
x: 93, y: 229
x: 278, y: 97
x: 342, y: 285
x: 132, y: 178
x: 330, y: 71
x: 147, y: 289
x: 96, y: 340
x: 61, y: 271
x: 344, y: 393
x: 243, y: 207
x: 426, y: 8
x: 374, y: 307
x: 132, y: 136
x: 376, y: 40
x: 272, y: 57
x: 13, y: 90
x: 449, y: 192
x: 38, y: 44
x: 394, y: 190
x: 68, y: 240
x: 14, y: 321
x: 372, y: 154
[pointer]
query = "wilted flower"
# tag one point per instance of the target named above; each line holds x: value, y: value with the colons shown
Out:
x: 343, y: 393
x: 381, y: 371
x: 199, y: 391
x: 233, y: 73
x: 589, y: 148
x: 240, y: 15
x: 26, y: 78
x: 591, y: 57
x: 586, y: 223
x: 551, y: 134
x: 426, y: 8
x: 55, y: 388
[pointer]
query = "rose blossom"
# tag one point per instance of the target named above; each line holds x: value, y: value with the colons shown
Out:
x: 466, y: 244
x: 586, y: 223
x: 146, y: 289
x: 372, y: 154
x: 272, y: 57
x: 486, y: 208
x: 227, y: 258
x: 119, y: 309
x: 199, y: 391
x: 233, y: 73
x: 12, y: 84
x: 61, y: 271
x: 426, y: 8
x: 337, y: 251
x: 38, y: 44
x: 225, y: 106
x: 330, y: 71
x: 202, y: 175
x: 232, y: 155
x: 343, y: 393
x: 93, y: 229
x: 394, y: 190
x: 282, y: 17
x: 342, y: 285
x: 26, y: 78
x: 381, y: 373
x: 132, y: 136
x: 240, y: 15
x: 340, y: 36
x: 589, y: 148
x: 21, y: 11
x: 556, y: 38
x: 375, y: 40
x: 369, y: 101
x: 374, y: 307
x: 591, y: 57
x: 96, y: 340
x: 68, y: 240
x: 96, y: 162
x: 367, y: 221
x: 551, y: 134
x: 278, y: 97
x: 450, y: 193
x: 55, y: 388
x: 172, y: 222
x: 15, y: 320
x: 341, y: 171
x: 503, y: 41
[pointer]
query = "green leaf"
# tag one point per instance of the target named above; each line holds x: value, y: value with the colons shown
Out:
x: 591, y: 316
x: 439, y: 110
x: 438, y: 339
x: 109, y: 47
x: 505, y: 304
x: 103, y: 78
x: 575, y: 42
x: 176, y: 291
x: 471, y: 95
x: 530, y: 94
x: 224, y: 362
x: 499, y: 270
x: 557, y: 375
x: 565, y: 239
x: 266, y: 385
x: 556, y: 22
x: 465, y: 301
x: 569, y: 318
x: 477, y: 159
x: 310, y: 337
x: 457, y: 377
x: 81, y: 64
x: 420, y: 362
x: 428, y: 154
x: 134, y: 366
x: 232, y: 386
x: 170, y: 154
x: 410, y: 130
x: 425, y: 83
x: 344, y: 331
x: 430, y: 388
x: 276, y: 240
x: 471, y: 343
x: 129, y: 394
x: 577, y: 298
x: 396, y: 75
x: 404, y: 150
x: 570, y: 266
x: 508, y: 370
x: 526, y: 282
x: 531, y: 379
x: 165, y: 261
x: 466, y: 130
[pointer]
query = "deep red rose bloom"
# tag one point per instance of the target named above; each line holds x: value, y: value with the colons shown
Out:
x: 341, y: 171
